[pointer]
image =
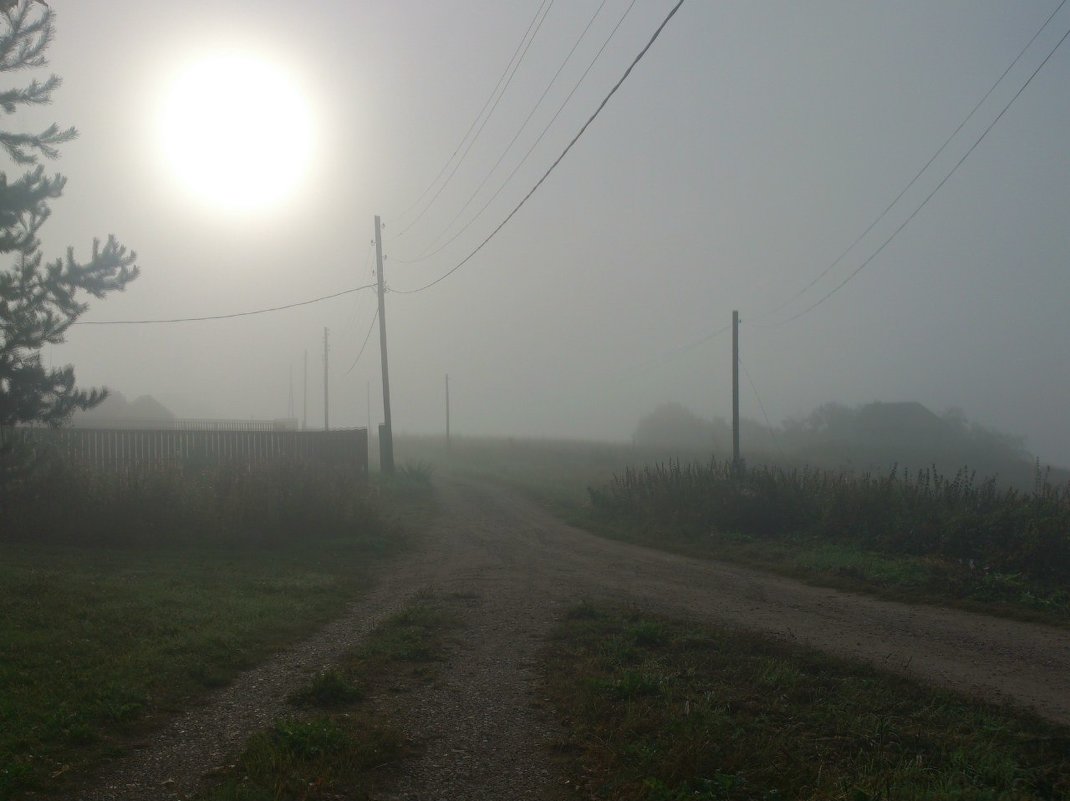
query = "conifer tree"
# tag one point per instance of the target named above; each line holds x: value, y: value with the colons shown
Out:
x: 39, y: 299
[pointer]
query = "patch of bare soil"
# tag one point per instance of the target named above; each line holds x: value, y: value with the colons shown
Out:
x: 484, y: 732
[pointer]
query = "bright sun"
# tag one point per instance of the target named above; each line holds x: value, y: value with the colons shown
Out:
x: 237, y: 131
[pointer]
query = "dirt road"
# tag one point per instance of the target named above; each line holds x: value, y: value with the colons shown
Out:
x: 483, y: 726
x: 1002, y: 660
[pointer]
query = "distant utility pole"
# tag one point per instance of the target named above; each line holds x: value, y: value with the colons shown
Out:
x: 304, y: 408
x: 447, y: 411
x: 368, y: 407
x: 386, y: 437
x: 735, y: 389
x: 326, y: 373
x: 290, y: 413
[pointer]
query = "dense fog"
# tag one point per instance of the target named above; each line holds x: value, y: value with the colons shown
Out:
x: 742, y: 156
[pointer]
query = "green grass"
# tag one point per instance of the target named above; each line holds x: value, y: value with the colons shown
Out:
x: 309, y: 759
x: 661, y: 710
x: 95, y: 641
x: 135, y: 594
x: 338, y: 743
x: 847, y: 566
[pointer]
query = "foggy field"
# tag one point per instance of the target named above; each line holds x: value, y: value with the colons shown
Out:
x: 928, y: 537
x: 136, y: 595
x: 111, y: 648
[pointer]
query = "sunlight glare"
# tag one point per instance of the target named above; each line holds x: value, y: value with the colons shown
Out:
x: 237, y: 132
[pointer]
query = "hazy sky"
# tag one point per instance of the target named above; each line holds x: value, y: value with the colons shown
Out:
x: 754, y: 142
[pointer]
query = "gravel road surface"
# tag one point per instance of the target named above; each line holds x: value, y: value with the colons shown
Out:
x: 484, y: 728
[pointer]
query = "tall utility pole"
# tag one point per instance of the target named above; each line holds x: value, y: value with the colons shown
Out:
x: 368, y: 407
x: 447, y: 411
x: 326, y: 373
x: 735, y: 389
x: 386, y: 436
x: 304, y: 408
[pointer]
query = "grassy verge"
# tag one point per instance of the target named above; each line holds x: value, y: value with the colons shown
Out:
x: 663, y: 711
x: 918, y: 537
x: 338, y: 742
x: 846, y: 566
x: 100, y: 637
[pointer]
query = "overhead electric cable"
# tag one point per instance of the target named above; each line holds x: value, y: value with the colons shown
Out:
x: 366, y: 338
x: 538, y: 26
x: 228, y: 316
x: 520, y: 130
x: 757, y: 397
x: 530, y: 150
x: 929, y: 197
x: 477, y: 117
x: 557, y: 161
x: 677, y: 351
x: 918, y: 174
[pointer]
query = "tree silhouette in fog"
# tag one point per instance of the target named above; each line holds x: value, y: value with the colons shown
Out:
x: 40, y: 299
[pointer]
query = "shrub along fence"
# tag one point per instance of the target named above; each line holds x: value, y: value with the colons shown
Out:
x: 124, y: 449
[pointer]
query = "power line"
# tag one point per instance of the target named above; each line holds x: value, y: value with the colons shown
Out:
x: 228, y: 316
x: 516, y: 136
x: 769, y: 426
x: 918, y: 174
x: 757, y: 397
x: 929, y: 197
x: 531, y: 149
x: 666, y: 356
x: 564, y: 152
x: 366, y: 338
x: 548, y: 4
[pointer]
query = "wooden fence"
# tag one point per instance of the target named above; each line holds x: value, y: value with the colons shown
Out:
x: 185, y: 424
x: 121, y: 449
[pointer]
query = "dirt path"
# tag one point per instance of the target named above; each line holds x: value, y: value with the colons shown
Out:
x: 482, y: 724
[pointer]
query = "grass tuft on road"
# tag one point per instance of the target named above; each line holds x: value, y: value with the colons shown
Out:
x: 661, y: 710
x: 340, y: 743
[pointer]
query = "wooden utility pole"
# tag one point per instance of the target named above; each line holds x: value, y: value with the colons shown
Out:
x: 447, y: 411
x: 304, y: 408
x: 386, y: 438
x: 368, y: 407
x: 326, y: 373
x: 735, y: 389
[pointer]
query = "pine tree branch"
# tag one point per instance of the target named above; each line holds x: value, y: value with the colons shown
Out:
x: 37, y: 93
x: 23, y: 43
x: 21, y: 147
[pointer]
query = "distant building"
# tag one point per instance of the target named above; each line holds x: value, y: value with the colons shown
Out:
x: 115, y: 411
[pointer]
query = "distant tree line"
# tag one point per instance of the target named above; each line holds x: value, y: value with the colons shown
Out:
x: 872, y: 437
